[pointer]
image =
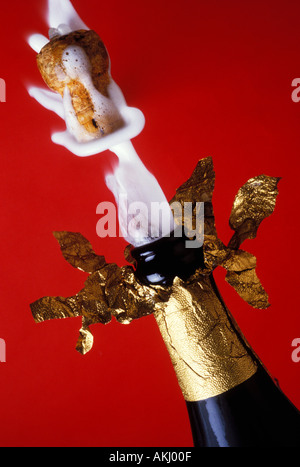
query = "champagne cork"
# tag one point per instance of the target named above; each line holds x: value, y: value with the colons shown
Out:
x: 77, y: 66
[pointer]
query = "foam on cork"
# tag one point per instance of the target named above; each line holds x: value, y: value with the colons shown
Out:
x: 77, y: 66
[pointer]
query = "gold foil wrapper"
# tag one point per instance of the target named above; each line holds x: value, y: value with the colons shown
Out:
x: 207, y: 349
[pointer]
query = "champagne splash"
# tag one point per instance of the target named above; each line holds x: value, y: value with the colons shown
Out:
x: 135, y: 189
x: 144, y: 212
x: 62, y: 13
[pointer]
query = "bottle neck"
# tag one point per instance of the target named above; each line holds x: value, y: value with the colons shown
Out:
x: 159, y: 262
x: 208, y: 354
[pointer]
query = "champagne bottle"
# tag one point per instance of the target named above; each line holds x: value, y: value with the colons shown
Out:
x: 231, y: 399
x: 253, y: 414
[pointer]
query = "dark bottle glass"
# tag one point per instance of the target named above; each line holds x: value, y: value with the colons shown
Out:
x: 255, y: 413
x: 159, y: 262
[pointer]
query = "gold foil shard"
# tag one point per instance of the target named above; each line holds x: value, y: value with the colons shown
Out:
x: 239, y: 260
x: 78, y: 251
x: 241, y: 275
x: 249, y: 288
x: 199, y: 189
x: 200, y: 186
x: 215, y: 253
x: 127, y: 298
x: 89, y: 303
x: 85, y: 341
x: 48, y: 308
x: 253, y: 203
x: 92, y: 299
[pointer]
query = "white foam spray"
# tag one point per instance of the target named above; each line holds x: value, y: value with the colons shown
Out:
x: 130, y: 181
x: 62, y: 12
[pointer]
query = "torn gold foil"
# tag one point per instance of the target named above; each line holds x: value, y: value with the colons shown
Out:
x: 241, y: 275
x: 207, y: 349
x: 253, y: 203
x: 79, y: 252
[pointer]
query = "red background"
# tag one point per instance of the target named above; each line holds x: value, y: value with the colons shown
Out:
x: 213, y: 79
